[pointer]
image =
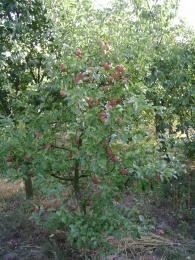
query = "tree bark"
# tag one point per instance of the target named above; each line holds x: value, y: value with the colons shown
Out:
x: 28, y: 187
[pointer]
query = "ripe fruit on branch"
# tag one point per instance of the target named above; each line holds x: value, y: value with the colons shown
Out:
x: 110, y: 107
x: 115, y: 158
x: 62, y: 67
x: 36, y: 209
x: 115, y: 102
x: 78, y: 53
x: 161, y: 232
x: 126, y: 78
x: 103, y: 116
x: 113, y: 77
x: 107, y: 66
x: 62, y: 93
x: 124, y: 171
x: 109, y: 152
x: 96, y: 180
x: 78, y: 78
x: 120, y: 68
x: 47, y: 146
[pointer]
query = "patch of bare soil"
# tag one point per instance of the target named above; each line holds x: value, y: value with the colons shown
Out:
x: 20, y: 237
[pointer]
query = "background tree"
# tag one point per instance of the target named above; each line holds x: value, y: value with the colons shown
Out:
x: 25, y: 36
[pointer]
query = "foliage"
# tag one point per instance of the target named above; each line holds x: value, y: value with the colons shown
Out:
x: 25, y: 38
x: 88, y: 113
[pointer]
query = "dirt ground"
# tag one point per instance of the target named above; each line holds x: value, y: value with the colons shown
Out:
x: 22, y: 239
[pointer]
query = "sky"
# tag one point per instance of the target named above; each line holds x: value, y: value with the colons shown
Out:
x: 186, y: 10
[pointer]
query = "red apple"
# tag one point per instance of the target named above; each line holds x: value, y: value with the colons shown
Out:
x: 62, y: 93
x: 126, y: 78
x: 124, y: 171
x: 62, y: 67
x: 161, y: 232
x: 113, y: 77
x: 109, y: 152
x: 96, y: 180
x: 107, y: 66
x: 47, y: 146
x: 115, y: 158
x: 120, y: 68
x: 116, y: 75
x: 78, y: 53
x: 110, y: 107
x: 113, y: 102
x: 103, y: 116
x: 78, y: 78
x: 36, y: 209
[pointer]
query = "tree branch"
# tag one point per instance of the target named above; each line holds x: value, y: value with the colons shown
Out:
x: 63, y: 148
x: 60, y: 177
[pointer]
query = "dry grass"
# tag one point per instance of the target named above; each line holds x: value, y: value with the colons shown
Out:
x: 142, y: 248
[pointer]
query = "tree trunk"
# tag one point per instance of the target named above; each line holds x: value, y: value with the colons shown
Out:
x: 28, y: 187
